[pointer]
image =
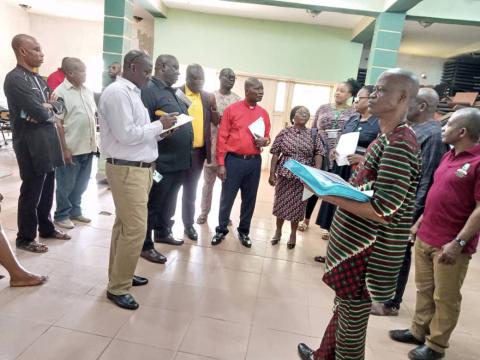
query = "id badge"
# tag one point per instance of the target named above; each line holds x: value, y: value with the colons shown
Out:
x: 157, y: 177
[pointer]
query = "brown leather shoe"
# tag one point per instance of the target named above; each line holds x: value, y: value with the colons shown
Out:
x: 153, y: 256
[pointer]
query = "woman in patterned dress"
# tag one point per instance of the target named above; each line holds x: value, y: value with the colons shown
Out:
x: 299, y: 143
x: 329, y: 120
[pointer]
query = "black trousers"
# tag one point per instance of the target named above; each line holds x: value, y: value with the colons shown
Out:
x: 162, y: 202
x: 34, y: 206
x: 402, y: 279
x: 243, y: 175
x: 311, y: 202
x: 190, y: 185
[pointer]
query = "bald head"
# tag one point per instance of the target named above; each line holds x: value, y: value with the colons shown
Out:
x: 253, y: 91
x: 195, y: 78
x: 430, y: 98
x: 20, y: 40
x: 167, y: 69
x: 468, y: 119
x: 27, y: 51
x: 405, y: 81
x: 252, y: 82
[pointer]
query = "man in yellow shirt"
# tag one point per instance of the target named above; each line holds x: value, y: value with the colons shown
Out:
x: 203, y: 109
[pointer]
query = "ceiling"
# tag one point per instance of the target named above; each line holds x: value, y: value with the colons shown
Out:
x: 439, y: 40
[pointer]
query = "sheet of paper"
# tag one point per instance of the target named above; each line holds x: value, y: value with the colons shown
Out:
x: 182, y: 119
x: 307, y: 194
x: 257, y: 128
x: 347, y: 144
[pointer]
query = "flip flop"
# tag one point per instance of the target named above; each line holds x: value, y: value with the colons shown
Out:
x: 34, y: 247
x: 57, y: 234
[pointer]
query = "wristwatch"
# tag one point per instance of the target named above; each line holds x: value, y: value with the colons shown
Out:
x: 460, y: 242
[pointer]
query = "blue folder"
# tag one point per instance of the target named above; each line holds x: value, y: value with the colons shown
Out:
x: 325, y: 183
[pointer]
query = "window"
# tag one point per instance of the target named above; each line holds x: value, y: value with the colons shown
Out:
x: 280, y: 97
x: 311, y: 96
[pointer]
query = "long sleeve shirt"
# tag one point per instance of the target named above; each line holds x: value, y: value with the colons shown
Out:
x: 174, y: 152
x: 125, y: 129
x: 234, y: 135
x: 35, y: 139
x: 429, y: 137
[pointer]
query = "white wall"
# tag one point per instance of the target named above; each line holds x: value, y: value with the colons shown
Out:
x: 432, y: 67
x: 62, y: 37
x: 59, y: 37
x: 14, y: 21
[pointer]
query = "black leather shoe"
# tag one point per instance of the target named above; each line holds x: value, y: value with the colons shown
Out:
x: 319, y: 258
x: 245, y: 240
x: 126, y: 301
x: 404, y: 336
x: 305, y: 352
x: 191, y: 233
x: 169, y: 240
x: 217, y: 238
x: 139, y: 281
x: 153, y: 256
x: 423, y: 352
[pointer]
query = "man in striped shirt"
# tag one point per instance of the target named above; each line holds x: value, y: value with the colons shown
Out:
x: 368, y: 240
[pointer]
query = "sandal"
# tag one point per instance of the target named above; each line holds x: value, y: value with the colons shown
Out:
x: 57, y: 234
x: 326, y: 236
x: 303, y: 226
x: 34, y: 247
x: 320, y: 259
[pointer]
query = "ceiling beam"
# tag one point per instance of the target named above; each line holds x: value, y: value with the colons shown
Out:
x: 155, y: 7
x: 296, y: 5
x: 443, y: 20
x: 400, y: 6
x: 363, y: 31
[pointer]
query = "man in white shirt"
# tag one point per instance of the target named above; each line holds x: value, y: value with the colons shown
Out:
x: 129, y: 142
x: 78, y: 138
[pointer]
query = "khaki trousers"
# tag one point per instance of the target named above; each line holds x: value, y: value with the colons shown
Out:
x: 209, y: 177
x: 130, y: 187
x: 438, y: 295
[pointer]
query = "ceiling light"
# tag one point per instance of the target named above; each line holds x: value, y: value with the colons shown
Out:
x: 25, y: 7
x: 313, y: 13
x: 425, y: 24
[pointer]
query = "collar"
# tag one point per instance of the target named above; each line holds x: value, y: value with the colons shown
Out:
x: 247, y: 105
x: 474, y: 150
x: 160, y: 83
x: 190, y: 93
x: 68, y: 85
x: 127, y: 83
x: 25, y: 69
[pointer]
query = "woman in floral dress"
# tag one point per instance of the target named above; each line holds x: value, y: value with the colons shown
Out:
x: 302, y: 144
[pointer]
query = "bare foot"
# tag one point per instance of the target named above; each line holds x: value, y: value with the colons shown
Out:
x: 28, y: 279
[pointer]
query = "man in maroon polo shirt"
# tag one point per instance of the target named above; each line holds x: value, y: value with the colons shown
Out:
x: 446, y: 237
x: 239, y: 161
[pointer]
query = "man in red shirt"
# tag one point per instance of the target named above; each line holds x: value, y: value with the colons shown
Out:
x: 446, y: 237
x: 239, y: 161
x: 57, y: 77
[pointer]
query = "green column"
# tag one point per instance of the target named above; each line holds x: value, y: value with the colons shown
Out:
x: 385, y: 44
x: 117, y: 32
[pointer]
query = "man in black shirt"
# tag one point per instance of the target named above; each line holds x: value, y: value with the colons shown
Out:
x: 35, y: 142
x: 174, y: 156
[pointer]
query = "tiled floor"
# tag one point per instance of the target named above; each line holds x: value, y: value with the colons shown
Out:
x: 227, y: 302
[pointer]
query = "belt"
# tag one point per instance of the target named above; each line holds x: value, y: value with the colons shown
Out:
x: 140, y: 164
x: 244, y: 157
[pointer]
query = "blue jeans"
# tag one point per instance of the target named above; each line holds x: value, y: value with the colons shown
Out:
x: 72, y: 181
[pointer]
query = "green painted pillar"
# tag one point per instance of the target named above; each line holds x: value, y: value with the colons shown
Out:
x: 385, y: 44
x: 117, y: 33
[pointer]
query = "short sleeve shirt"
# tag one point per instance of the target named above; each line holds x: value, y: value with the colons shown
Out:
x: 458, y: 175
